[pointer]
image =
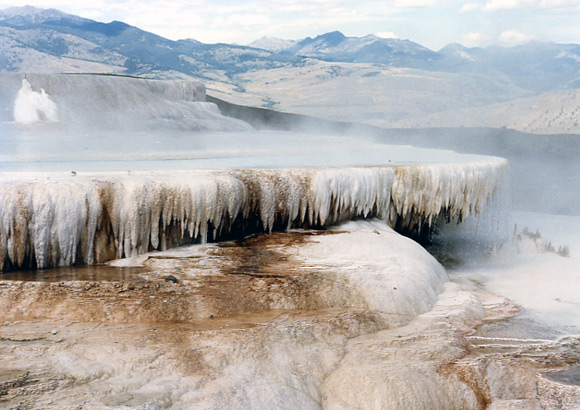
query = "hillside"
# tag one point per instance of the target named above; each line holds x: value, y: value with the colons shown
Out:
x: 384, y: 82
x: 549, y: 113
x: 28, y: 36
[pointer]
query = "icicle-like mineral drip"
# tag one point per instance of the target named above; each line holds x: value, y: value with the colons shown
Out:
x: 420, y: 193
x: 63, y: 221
x: 342, y: 193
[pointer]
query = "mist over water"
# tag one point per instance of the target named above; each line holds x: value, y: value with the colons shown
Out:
x: 530, y: 271
x: 118, y: 124
x: 35, y: 149
x: 544, y: 168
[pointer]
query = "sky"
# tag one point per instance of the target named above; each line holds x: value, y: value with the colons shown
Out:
x: 432, y: 23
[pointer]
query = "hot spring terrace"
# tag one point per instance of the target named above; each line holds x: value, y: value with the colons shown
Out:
x: 64, y: 218
x: 132, y: 165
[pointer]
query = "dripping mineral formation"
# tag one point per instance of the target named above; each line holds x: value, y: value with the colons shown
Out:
x: 94, y: 218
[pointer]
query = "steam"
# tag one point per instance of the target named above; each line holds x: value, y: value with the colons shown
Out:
x: 90, y: 102
x: 31, y: 106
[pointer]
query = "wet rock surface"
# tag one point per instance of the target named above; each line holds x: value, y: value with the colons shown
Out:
x: 253, y: 325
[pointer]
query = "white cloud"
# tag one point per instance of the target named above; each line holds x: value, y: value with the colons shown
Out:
x: 514, y: 37
x: 469, y: 7
x: 243, y: 20
x: 409, y: 4
x: 386, y: 34
x: 561, y: 5
x: 319, y: 6
x: 495, y: 5
x: 556, y: 5
x: 474, y: 39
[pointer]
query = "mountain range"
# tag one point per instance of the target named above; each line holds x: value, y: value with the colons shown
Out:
x: 387, y: 82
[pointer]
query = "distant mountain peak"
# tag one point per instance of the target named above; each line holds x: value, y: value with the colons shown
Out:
x: 454, y: 47
x: 376, y: 38
x: 24, y: 10
x: 34, y: 15
x: 273, y: 44
x: 458, y: 53
x: 332, y: 39
x: 333, y: 34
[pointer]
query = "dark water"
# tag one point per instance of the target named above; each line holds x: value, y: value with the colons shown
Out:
x: 520, y: 326
x: 569, y: 376
x: 75, y: 273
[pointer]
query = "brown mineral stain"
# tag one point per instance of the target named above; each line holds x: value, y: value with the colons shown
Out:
x: 250, y: 276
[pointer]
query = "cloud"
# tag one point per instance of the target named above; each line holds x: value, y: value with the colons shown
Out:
x: 555, y: 5
x: 308, y: 6
x: 474, y: 39
x: 207, y: 21
x: 495, y: 5
x: 469, y: 7
x: 243, y: 20
x: 514, y: 37
x: 409, y: 4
